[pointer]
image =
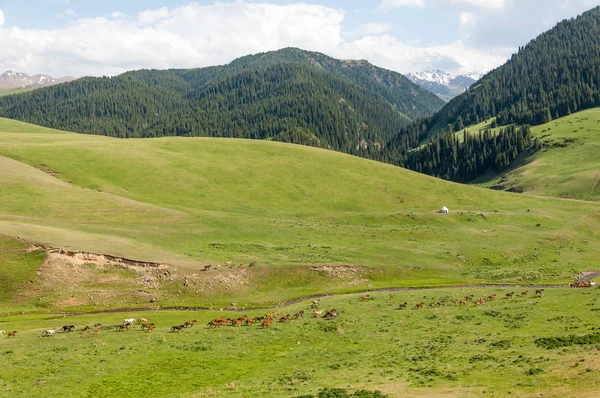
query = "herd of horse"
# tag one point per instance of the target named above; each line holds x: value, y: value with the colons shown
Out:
x: 466, y: 300
x: 98, y: 328
x: 264, y: 321
x: 267, y: 320
x: 145, y: 324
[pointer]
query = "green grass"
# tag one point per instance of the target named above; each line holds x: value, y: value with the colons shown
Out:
x: 567, y: 166
x: 292, y: 209
x: 197, y: 201
x: 9, y: 91
x: 17, y: 265
x: 458, y: 351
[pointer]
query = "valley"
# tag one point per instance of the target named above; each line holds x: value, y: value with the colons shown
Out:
x: 191, y: 221
x: 194, y: 202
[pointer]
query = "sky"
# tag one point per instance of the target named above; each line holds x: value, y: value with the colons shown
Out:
x: 101, y: 38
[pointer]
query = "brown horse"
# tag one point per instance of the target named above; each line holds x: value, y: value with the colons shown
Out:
x: 525, y: 293
x: 509, y: 295
x: 420, y: 305
x: 492, y: 297
x: 299, y: 315
x: 267, y: 323
x: 190, y: 323
x: 147, y: 326
x: 120, y: 328
x: 317, y: 313
x: 217, y: 323
x: 12, y: 334
x: 365, y: 298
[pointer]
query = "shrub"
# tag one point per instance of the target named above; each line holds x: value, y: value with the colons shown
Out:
x: 503, y: 344
x: 534, y: 371
x: 566, y: 341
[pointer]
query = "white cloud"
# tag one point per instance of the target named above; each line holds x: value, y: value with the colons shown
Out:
x: 197, y: 35
x: 389, y: 52
x: 468, y: 22
x: 118, y: 14
x: 501, y: 23
x: 370, y: 29
x: 387, y: 5
x: 1, y: 18
x: 485, y: 4
x: 152, y: 16
x: 69, y: 13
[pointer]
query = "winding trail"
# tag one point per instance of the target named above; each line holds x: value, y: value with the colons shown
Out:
x: 319, y: 296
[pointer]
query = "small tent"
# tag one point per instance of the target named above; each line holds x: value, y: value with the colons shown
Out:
x: 444, y: 210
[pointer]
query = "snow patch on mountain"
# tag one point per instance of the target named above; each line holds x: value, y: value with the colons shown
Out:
x: 12, y: 79
x: 444, y: 85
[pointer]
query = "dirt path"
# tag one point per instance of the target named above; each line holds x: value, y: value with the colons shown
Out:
x: 586, y: 276
x: 145, y: 269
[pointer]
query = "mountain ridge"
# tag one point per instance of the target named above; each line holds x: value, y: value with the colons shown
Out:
x: 289, y: 95
x: 11, y: 79
x: 444, y: 85
x: 553, y: 76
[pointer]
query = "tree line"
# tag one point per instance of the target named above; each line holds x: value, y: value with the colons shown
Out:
x: 448, y: 157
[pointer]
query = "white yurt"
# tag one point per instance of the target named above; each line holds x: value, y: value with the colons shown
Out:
x: 444, y: 210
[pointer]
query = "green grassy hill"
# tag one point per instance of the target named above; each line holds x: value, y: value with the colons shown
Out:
x: 196, y: 201
x: 288, y: 95
x: 568, y: 164
x: 9, y: 91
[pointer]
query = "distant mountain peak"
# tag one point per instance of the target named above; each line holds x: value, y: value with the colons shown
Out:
x: 473, y: 75
x: 12, y: 79
x: 443, y: 84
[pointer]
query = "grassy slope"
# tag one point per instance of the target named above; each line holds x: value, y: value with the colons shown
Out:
x: 453, y: 351
x: 568, y: 166
x: 9, y: 91
x: 17, y: 265
x: 190, y: 202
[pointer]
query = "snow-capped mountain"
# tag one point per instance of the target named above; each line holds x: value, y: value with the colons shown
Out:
x: 10, y: 79
x: 444, y: 85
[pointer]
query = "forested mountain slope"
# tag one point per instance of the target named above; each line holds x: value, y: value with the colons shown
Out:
x: 555, y: 75
x: 289, y: 95
x: 566, y: 164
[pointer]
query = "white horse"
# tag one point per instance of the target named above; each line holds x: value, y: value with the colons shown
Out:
x: 2, y: 332
x: 130, y: 321
x: 49, y: 332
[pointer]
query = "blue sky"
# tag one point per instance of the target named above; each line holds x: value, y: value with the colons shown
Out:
x: 428, y: 26
x: 108, y: 37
